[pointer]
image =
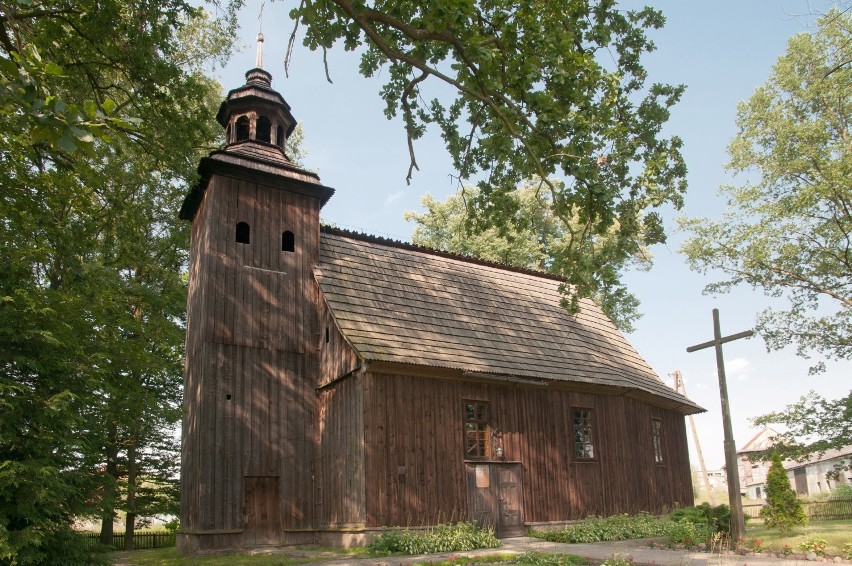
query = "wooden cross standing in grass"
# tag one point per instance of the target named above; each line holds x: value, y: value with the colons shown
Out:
x: 737, y: 522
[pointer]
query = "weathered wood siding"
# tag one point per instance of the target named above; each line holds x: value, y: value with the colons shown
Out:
x: 414, y: 451
x: 336, y: 357
x: 250, y: 400
x: 340, y: 464
x: 342, y: 454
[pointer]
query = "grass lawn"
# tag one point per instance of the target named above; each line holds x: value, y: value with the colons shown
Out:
x: 835, y: 533
x: 293, y: 555
x: 169, y: 557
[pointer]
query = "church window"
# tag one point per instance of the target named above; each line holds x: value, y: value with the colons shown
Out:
x: 476, y: 429
x: 584, y: 447
x: 264, y: 129
x: 279, y: 137
x: 243, y: 233
x: 242, y: 128
x: 288, y: 242
x: 657, y: 440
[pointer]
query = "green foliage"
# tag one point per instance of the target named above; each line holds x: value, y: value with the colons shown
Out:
x: 814, y: 425
x: 688, y: 533
x: 692, y: 525
x: 815, y: 545
x: 788, y: 231
x: 717, y: 519
x: 598, y: 529
x: 534, y: 240
x: 782, y: 510
x: 441, y: 538
x: 618, y: 560
x: 502, y: 558
x: 537, y: 90
x: 548, y: 559
x: 842, y: 491
x: 102, y: 122
x: 846, y: 553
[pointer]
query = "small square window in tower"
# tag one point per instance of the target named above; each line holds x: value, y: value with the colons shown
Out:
x: 243, y: 233
x: 288, y: 242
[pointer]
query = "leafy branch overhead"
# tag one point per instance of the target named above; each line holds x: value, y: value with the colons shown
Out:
x: 92, y: 303
x: 544, y: 89
x: 788, y: 229
x: 537, y: 237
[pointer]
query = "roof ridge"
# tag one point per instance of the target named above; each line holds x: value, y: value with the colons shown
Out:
x: 390, y: 242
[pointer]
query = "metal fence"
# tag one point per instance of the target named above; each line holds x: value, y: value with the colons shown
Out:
x: 830, y: 509
x: 141, y: 540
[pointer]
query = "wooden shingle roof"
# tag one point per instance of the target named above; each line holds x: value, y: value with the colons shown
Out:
x: 403, y: 304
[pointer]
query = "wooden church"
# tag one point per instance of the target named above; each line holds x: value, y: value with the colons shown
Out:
x: 337, y: 383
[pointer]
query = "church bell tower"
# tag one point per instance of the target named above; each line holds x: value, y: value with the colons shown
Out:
x: 249, y: 433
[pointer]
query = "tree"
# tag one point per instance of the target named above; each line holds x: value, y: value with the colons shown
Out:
x: 814, y: 425
x: 788, y: 229
x: 534, y: 243
x: 782, y: 510
x: 544, y: 89
x: 105, y: 113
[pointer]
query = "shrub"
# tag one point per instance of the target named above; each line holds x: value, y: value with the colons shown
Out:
x: 717, y: 518
x: 815, y: 545
x: 441, y: 538
x: 783, y: 510
x: 548, y: 559
x: 842, y: 491
x: 689, y: 533
x: 618, y: 560
x: 597, y: 529
x: 846, y: 553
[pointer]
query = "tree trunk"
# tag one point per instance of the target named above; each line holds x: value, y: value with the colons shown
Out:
x: 108, y: 502
x: 130, y: 520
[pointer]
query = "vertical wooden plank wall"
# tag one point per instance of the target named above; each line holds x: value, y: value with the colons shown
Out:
x: 250, y: 397
x: 415, y: 465
x: 342, y: 454
x: 340, y: 458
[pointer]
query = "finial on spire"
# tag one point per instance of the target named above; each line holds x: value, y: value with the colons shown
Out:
x: 259, y: 59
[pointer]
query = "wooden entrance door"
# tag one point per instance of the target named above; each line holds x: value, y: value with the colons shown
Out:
x: 495, y: 497
x: 509, y: 498
x: 261, y: 511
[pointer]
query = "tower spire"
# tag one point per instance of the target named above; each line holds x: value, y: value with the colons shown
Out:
x: 258, y: 64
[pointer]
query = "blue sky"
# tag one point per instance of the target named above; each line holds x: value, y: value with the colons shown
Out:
x: 720, y: 50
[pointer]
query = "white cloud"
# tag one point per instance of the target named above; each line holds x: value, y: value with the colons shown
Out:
x: 739, y: 368
x: 393, y: 197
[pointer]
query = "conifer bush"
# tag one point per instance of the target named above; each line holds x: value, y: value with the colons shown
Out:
x: 783, y: 510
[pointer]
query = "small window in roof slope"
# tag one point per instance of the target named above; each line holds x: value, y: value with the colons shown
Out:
x: 243, y: 233
x: 242, y: 128
x: 264, y: 129
x: 288, y: 242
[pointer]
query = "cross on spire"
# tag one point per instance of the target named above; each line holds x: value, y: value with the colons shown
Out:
x: 259, y: 59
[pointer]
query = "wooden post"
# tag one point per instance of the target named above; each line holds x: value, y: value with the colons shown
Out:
x: 737, y: 522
